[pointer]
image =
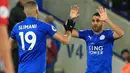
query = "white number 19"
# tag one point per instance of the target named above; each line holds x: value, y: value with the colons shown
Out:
x: 29, y: 41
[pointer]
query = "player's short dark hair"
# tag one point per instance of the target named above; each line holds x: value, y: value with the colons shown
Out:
x: 30, y: 3
x: 96, y: 14
x: 125, y: 50
x: 128, y: 59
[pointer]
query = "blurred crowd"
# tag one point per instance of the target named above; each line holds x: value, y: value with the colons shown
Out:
x: 122, y: 6
x: 126, y: 57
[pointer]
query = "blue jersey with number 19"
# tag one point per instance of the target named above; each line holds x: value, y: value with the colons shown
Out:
x: 31, y: 37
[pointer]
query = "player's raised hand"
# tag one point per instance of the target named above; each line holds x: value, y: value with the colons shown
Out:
x: 74, y: 12
x: 103, y: 13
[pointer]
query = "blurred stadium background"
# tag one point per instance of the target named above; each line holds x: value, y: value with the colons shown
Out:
x: 72, y: 57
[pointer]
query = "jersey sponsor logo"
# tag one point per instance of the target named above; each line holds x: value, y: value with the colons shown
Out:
x: 102, y: 37
x: 4, y: 13
x: 98, y: 50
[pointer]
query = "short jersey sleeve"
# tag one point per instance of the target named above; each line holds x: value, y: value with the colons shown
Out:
x: 110, y: 34
x: 4, y: 12
x: 51, y: 30
x: 83, y: 34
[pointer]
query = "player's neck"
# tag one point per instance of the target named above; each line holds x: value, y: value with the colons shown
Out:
x: 31, y: 16
x: 98, y: 32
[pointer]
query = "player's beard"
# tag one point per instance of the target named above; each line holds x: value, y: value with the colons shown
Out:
x: 97, y: 28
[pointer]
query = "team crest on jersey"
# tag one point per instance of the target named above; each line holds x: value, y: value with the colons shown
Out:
x: 53, y: 28
x: 102, y: 37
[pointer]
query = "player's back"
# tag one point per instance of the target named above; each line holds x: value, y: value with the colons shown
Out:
x: 31, y: 37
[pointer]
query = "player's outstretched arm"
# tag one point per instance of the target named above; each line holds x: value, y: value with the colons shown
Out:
x: 66, y: 38
x: 68, y: 26
x: 63, y: 38
x: 11, y: 41
x: 74, y: 13
x: 5, y: 51
x: 118, y: 32
x: 75, y: 33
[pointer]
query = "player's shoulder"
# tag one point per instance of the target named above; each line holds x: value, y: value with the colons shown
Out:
x: 86, y: 30
x: 41, y: 22
x: 108, y: 30
x: 17, y: 24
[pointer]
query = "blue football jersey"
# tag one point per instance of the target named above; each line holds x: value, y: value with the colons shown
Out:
x: 31, y: 37
x: 99, y: 50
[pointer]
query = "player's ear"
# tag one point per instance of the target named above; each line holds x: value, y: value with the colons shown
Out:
x: 36, y: 11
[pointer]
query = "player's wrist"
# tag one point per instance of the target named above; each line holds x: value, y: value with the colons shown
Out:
x: 69, y: 26
x: 72, y: 18
x: 68, y: 32
x: 108, y: 21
